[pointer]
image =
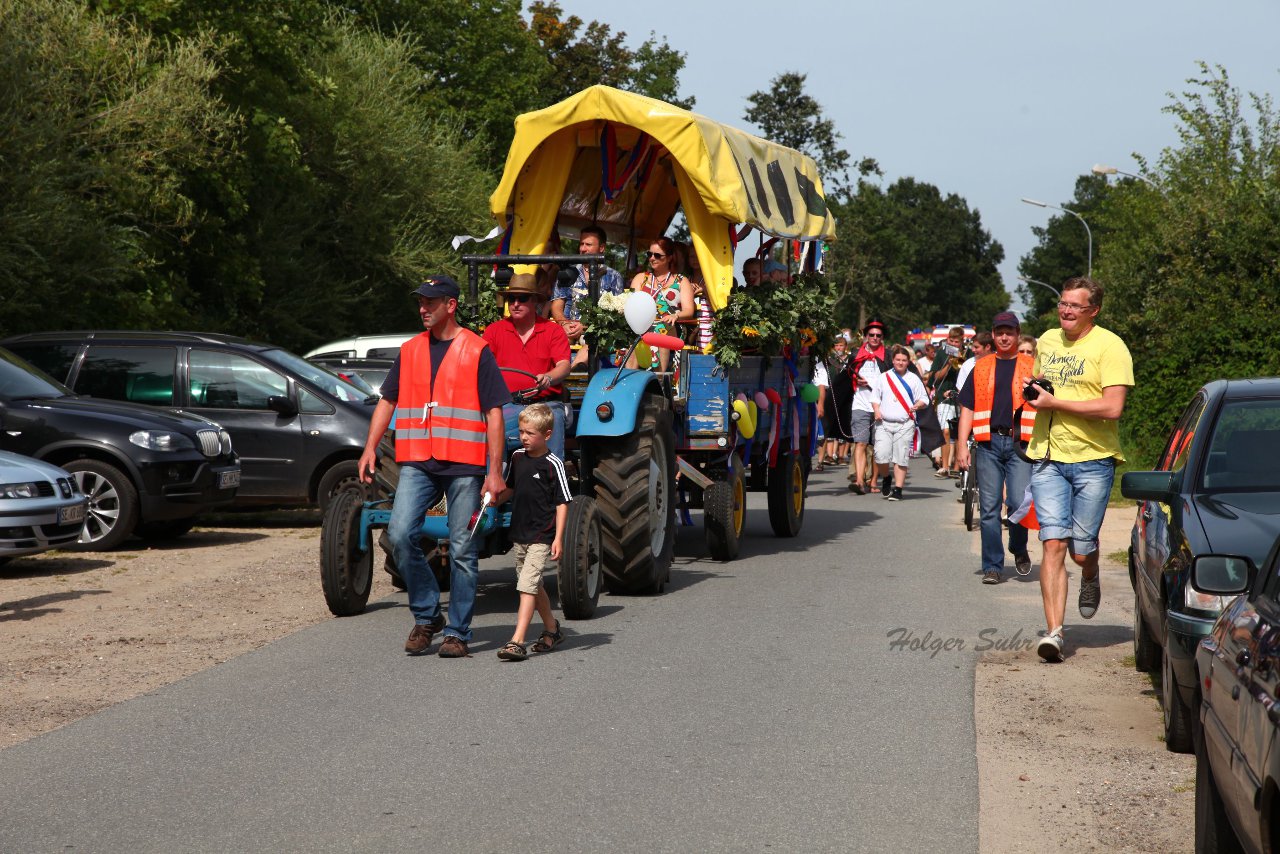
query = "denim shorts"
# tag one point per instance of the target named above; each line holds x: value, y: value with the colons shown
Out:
x: 1071, y: 499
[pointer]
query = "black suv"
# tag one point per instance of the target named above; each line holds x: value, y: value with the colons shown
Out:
x: 299, y: 429
x: 144, y: 471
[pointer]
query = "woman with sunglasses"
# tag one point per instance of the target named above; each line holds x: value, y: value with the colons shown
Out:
x: 671, y: 291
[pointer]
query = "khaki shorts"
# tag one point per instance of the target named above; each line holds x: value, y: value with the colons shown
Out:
x: 531, y: 559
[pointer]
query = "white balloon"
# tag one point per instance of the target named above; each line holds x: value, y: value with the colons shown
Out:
x: 640, y: 311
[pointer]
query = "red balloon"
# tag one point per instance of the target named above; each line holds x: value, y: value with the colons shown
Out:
x: 773, y: 396
x: 666, y: 342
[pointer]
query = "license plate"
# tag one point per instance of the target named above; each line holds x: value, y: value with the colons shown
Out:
x: 229, y: 479
x: 71, y: 515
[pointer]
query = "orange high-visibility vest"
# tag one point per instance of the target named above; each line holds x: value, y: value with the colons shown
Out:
x: 984, y: 393
x: 440, y: 420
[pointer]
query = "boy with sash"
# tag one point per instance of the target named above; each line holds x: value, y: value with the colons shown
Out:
x: 896, y: 397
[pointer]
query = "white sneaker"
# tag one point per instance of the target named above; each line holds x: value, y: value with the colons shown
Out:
x: 1050, y: 646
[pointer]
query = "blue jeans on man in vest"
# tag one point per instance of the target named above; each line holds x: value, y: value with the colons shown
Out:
x: 417, y: 493
x: 1002, y: 474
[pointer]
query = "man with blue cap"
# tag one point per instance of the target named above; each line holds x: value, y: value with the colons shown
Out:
x: 443, y: 396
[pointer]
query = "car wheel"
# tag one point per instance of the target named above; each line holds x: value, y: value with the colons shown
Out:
x: 1177, y: 717
x: 340, y: 477
x: 1213, y: 834
x: 113, y: 505
x: 1146, y: 652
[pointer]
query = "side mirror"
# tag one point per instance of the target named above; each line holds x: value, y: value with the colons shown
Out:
x: 1151, y: 485
x: 282, y: 405
x: 1222, y: 575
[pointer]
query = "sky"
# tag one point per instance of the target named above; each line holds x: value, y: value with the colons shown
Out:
x: 992, y: 100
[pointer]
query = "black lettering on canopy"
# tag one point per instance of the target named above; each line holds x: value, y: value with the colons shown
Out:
x: 762, y: 196
x: 781, y: 192
x: 813, y: 201
x: 751, y: 202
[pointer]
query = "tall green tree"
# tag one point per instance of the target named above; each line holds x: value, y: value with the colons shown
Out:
x: 1190, y: 261
x: 789, y: 116
x: 1062, y: 250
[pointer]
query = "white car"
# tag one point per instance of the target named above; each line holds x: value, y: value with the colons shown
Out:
x: 363, y: 347
x: 41, y: 507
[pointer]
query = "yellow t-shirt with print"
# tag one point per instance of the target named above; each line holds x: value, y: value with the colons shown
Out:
x: 1079, y: 370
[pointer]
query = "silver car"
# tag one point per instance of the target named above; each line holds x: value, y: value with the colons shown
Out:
x: 41, y: 507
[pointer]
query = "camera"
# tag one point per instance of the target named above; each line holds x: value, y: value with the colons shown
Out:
x: 1032, y: 389
x: 951, y: 350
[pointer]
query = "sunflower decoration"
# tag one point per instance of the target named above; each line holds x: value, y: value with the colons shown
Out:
x: 767, y: 318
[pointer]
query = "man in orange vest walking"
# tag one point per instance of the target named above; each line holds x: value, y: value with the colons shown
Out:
x: 444, y: 396
x: 991, y: 408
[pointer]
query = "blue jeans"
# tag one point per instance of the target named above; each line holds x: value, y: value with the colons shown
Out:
x: 1071, y: 499
x: 417, y: 493
x: 1001, y: 472
x: 511, y: 418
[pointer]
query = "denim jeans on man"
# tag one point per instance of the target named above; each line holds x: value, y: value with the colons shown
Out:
x: 417, y: 493
x: 511, y: 420
x: 1001, y: 473
x: 1071, y: 499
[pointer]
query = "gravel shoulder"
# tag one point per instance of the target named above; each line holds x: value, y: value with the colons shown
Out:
x: 1071, y: 756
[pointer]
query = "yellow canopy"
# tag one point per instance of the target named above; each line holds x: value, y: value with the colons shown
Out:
x: 658, y: 158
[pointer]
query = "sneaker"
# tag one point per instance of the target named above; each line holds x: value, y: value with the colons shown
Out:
x: 1050, y: 646
x: 419, y: 641
x: 1022, y: 563
x: 1090, y: 597
x: 990, y: 577
x: 895, y: 494
x: 453, y: 647
x: 886, y: 484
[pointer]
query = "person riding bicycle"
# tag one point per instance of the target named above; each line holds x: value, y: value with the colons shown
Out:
x: 990, y: 401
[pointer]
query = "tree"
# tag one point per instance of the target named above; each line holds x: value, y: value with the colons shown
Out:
x: 788, y: 116
x: 1062, y: 250
x: 1190, y: 260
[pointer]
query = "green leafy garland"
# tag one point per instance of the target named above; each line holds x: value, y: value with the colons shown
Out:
x: 605, y: 321
x: 764, y: 319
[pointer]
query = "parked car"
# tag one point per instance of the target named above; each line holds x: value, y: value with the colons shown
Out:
x: 1237, y: 763
x: 1213, y: 491
x: 41, y: 507
x: 299, y: 428
x: 362, y: 373
x: 143, y: 470
x: 364, y: 346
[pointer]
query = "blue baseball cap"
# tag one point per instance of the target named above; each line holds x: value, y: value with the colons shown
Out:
x: 439, y: 285
x: 774, y: 266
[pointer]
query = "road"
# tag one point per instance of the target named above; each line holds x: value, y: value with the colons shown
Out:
x: 758, y: 704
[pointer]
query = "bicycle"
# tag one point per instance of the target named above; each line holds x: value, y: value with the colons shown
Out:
x: 968, y: 485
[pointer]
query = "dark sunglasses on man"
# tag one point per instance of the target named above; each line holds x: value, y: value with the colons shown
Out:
x: 519, y: 297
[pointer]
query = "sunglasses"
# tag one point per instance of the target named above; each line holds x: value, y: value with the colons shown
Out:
x: 519, y: 297
x: 874, y: 335
x: 658, y: 256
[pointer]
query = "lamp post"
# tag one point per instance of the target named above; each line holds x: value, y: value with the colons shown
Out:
x: 1057, y: 293
x: 1087, y: 231
x: 1099, y: 169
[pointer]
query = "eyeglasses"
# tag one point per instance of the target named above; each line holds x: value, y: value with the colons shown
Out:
x: 874, y: 335
x: 519, y: 297
x: 1067, y: 306
x: 657, y: 256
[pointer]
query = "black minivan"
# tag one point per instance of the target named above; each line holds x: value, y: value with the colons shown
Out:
x: 144, y: 471
x: 298, y: 428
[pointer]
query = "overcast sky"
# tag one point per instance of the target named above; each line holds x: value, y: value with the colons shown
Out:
x: 989, y: 99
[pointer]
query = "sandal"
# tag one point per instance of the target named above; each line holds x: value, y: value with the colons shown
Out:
x: 513, y: 651
x: 548, y: 641
x: 942, y: 473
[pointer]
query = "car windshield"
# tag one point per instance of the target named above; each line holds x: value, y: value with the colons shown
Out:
x: 320, y: 377
x: 19, y: 379
x: 1242, y: 453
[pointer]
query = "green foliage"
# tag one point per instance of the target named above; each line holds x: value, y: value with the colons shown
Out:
x: 909, y: 254
x: 1190, y: 267
x: 766, y: 318
x: 605, y: 323
x: 788, y: 116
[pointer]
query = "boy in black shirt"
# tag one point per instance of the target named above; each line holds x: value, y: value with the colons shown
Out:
x: 538, y: 515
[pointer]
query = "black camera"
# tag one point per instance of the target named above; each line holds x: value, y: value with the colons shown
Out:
x: 1032, y: 389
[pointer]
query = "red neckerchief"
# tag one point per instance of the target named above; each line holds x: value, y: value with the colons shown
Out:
x: 865, y: 354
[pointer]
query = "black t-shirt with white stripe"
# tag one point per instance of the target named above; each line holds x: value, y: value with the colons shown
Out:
x: 540, y: 487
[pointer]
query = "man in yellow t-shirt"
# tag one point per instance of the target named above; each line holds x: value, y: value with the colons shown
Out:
x: 1075, y: 448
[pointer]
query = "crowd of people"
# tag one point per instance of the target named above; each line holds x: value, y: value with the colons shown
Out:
x: 1036, y: 421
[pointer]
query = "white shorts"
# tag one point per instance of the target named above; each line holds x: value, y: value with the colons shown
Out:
x: 893, y: 442
x: 947, y: 413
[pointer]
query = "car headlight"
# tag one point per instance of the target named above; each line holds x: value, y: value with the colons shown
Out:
x: 224, y: 442
x: 1204, y: 601
x: 19, y: 490
x: 161, y: 440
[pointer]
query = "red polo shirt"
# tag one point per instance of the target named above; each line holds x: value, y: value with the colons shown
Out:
x: 546, y: 346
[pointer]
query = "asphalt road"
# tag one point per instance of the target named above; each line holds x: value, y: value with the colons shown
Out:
x: 755, y: 705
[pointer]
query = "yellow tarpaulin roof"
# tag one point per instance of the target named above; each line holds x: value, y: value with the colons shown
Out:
x: 659, y: 158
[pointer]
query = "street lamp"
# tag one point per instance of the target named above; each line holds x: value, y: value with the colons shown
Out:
x: 1087, y: 231
x: 1099, y: 169
x: 1057, y: 293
